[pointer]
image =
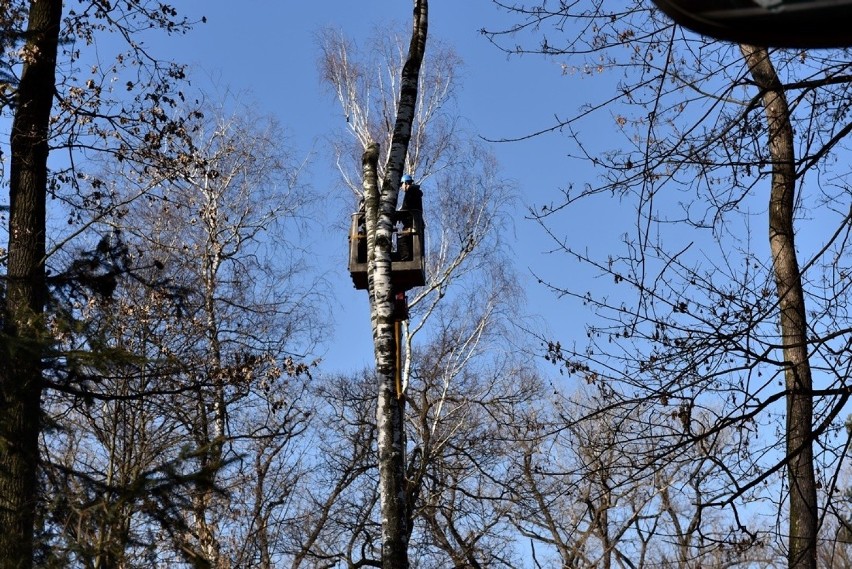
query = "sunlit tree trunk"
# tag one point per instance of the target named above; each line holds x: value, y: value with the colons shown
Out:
x: 212, y: 428
x: 391, y: 408
x: 381, y: 205
x: 465, y: 209
x: 793, y: 320
x: 23, y: 325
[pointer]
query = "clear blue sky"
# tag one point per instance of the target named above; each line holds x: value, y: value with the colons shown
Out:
x: 268, y: 51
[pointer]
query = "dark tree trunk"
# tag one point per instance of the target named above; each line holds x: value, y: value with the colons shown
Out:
x: 23, y: 319
x: 793, y: 319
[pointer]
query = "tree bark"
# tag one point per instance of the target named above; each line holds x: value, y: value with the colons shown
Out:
x: 391, y: 409
x: 23, y: 319
x: 793, y: 320
x: 380, y: 209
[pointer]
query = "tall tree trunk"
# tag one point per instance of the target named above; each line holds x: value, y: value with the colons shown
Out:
x: 793, y: 323
x: 380, y: 209
x: 212, y: 435
x: 390, y: 412
x: 23, y: 318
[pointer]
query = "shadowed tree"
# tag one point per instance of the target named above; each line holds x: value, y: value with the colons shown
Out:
x: 76, y: 112
x: 24, y: 334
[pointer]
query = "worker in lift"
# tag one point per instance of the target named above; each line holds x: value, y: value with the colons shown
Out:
x: 412, y: 201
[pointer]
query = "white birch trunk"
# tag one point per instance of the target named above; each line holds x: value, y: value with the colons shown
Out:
x: 380, y: 209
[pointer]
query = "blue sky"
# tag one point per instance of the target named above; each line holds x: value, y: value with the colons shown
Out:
x: 267, y: 51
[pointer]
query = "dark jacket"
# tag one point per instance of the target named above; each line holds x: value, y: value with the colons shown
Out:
x: 413, y: 199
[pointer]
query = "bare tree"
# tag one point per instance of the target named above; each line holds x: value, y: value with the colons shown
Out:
x: 32, y: 81
x: 710, y: 314
x: 23, y: 324
x: 252, y: 312
x: 585, y: 499
x: 215, y: 316
x: 380, y: 204
x: 334, y: 522
x: 463, y: 390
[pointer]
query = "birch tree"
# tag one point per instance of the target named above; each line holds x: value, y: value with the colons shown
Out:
x: 459, y: 382
x: 221, y: 230
x: 380, y: 207
x: 214, y: 380
x: 465, y: 389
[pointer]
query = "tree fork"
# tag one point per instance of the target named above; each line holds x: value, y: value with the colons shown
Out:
x: 380, y: 204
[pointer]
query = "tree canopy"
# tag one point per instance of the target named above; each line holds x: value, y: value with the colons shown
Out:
x: 172, y: 388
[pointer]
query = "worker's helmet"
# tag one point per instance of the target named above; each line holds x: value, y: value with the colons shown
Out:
x: 407, y: 178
